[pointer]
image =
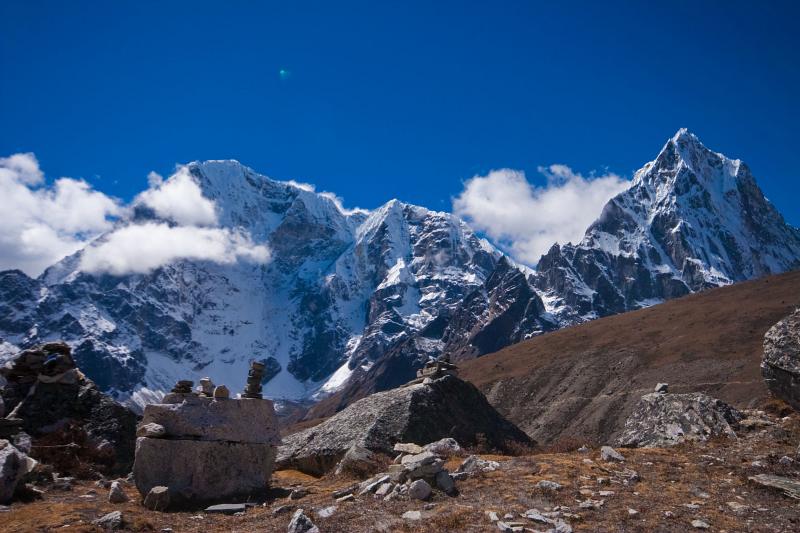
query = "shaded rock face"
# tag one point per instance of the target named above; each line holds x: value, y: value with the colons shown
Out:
x: 45, y: 389
x: 206, y: 450
x: 422, y: 412
x: 780, y: 365
x: 668, y: 419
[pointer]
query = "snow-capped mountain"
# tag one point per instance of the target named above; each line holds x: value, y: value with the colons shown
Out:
x: 691, y: 219
x: 355, y: 301
x: 341, y: 290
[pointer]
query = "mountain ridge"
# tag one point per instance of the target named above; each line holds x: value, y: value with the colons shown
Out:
x: 359, y: 299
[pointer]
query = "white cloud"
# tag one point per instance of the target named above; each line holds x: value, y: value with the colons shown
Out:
x: 141, y: 248
x: 42, y: 224
x: 527, y: 219
x: 45, y: 223
x: 179, y: 199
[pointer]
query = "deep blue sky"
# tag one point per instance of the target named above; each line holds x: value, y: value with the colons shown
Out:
x: 397, y: 99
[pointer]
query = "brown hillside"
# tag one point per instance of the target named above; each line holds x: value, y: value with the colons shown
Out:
x: 581, y: 382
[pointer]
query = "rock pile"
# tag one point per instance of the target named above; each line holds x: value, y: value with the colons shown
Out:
x: 420, y: 412
x: 206, y: 449
x: 780, y: 365
x: 662, y: 419
x: 45, y: 392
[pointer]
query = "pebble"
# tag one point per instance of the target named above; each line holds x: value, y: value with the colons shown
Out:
x: 607, y: 453
x: 699, y: 524
x: 632, y: 512
x: 326, y: 512
x: 492, y: 516
x: 546, y: 484
x: 412, y: 515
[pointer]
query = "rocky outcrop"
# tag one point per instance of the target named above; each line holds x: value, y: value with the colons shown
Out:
x: 206, y: 450
x: 780, y: 365
x: 47, y: 393
x: 14, y: 464
x: 668, y: 419
x: 420, y: 413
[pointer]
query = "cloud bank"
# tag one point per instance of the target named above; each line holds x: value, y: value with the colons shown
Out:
x: 45, y: 223
x: 528, y: 220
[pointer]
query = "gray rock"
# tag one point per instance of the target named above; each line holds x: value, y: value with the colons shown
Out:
x: 700, y: 524
x: 116, y: 494
x: 408, y: 447
x: 662, y: 387
x: 110, y: 522
x: 474, y: 464
x: 298, y: 493
x: 607, y: 453
x: 357, y: 461
x: 412, y: 515
x: 790, y: 487
x: 200, y: 418
x: 444, y: 447
x: 445, y: 482
x: 424, y: 464
x: 13, y: 466
x: 447, y: 407
x: 384, y: 489
x: 281, y: 509
x: 157, y: 499
x: 372, y: 484
x: 198, y: 471
x: 326, y: 512
x: 780, y: 364
x: 301, y: 523
x: 226, y: 508
x: 419, y: 490
x: 546, y: 484
x: 661, y: 420
x: 151, y: 429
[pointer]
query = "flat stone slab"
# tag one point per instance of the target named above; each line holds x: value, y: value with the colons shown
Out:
x: 226, y: 508
x: 199, y: 471
x: 187, y: 416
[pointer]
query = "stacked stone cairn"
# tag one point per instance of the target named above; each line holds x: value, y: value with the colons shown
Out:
x: 204, y: 447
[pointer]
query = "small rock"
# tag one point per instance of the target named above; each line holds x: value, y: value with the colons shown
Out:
x: 112, y: 521
x: 632, y: 512
x: 591, y: 504
x: 226, y: 508
x: 384, y: 489
x: 221, y: 392
x: 116, y: 494
x: 301, y: 523
x: 326, y: 512
x: 668, y: 514
x: 345, y: 491
x: 445, y: 482
x: 662, y: 388
x: 492, y: 516
x: 412, y: 515
x: 583, y: 449
x: 419, y: 490
x: 372, y: 484
x: 157, y: 499
x: 408, y: 447
x: 699, y: 524
x: 510, y: 526
x: 357, y: 461
x: 737, y: 508
x: 281, y: 509
x: 346, y: 498
x: 536, y: 516
x: 607, y: 453
x: 151, y: 430
x: 606, y: 493
x: 298, y: 493
x: 474, y: 464
x: 444, y: 447
x: 546, y: 484
x: 785, y: 460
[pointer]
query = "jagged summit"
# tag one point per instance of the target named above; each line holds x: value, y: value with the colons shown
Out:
x: 691, y: 219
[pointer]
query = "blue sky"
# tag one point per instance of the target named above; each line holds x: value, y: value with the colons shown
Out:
x: 397, y: 99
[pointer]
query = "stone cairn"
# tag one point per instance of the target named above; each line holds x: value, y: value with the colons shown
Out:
x: 206, y: 447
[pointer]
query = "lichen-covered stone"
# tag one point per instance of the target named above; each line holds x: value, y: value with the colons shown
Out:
x: 668, y: 419
x: 780, y: 365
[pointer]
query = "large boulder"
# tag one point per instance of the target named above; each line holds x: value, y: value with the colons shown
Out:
x: 668, y: 419
x: 13, y: 466
x: 50, y: 394
x: 421, y: 413
x: 780, y: 365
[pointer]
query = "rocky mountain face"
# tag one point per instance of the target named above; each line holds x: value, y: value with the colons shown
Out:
x: 692, y: 219
x: 355, y: 301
